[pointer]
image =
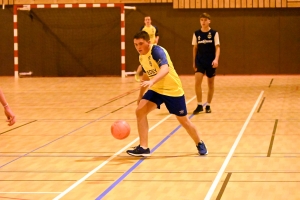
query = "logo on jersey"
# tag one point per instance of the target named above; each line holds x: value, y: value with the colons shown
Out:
x: 151, y: 72
x: 209, y: 35
x: 199, y: 37
x: 159, y: 61
x: 149, y: 59
x: 204, y: 41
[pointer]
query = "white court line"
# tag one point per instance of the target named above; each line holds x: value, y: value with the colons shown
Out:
x: 237, y: 140
x: 110, y: 158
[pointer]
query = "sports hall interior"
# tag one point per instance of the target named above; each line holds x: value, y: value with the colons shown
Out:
x: 61, y: 146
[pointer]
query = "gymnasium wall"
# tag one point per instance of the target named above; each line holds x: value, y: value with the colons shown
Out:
x: 6, y: 42
x: 253, y: 41
x: 70, y: 42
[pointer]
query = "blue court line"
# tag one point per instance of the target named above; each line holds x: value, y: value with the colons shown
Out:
x: 136, y: 165
x: 57, y: 139
x: 53, y: 141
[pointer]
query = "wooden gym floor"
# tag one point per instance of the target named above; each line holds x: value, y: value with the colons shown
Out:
x: 61, y: 146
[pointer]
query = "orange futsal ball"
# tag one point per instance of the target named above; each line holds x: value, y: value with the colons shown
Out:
x: 120, y: 129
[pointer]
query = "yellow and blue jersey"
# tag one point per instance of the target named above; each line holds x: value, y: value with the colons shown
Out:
x: 152, y: 32
x: 170, y: 85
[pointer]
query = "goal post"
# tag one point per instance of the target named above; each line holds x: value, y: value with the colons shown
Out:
x: 77, y: 5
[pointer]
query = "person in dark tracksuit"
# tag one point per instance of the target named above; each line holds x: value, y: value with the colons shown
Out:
x: 206, y: 53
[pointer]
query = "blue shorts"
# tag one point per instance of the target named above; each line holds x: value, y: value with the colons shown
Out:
x: 175, y: 105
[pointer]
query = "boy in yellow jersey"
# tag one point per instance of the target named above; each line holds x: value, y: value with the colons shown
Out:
x: 151, y: 30
x: 11, y: 119
x: 153, y: 34
x: 160, y: 84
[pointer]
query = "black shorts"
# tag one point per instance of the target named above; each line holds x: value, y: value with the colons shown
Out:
x: 209, y: 71
x: 175, y: 105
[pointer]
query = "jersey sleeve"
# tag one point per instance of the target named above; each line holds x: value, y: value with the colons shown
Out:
x: 159, y: 56
x: 217, y: 40
x: 194, y: 40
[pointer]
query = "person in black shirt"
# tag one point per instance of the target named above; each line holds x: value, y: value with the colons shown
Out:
x: 206, y: 52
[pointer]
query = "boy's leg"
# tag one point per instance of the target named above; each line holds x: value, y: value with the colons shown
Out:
x: 189, y: 127
x: 210, y: 73
x: 211, y: 89
x: 198, y: 85
x: 143, y: 109
x: 198, y: 91
x: 192, y: 131
x: 177, y: 106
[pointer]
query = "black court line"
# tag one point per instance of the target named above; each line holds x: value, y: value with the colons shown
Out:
x: 123, y: 106
x: 125, y: 156
x: 268, y: 172
x: 224, y: 186
x: 262, y: 102
x: 266, y: 181
x: 138, y: 180
x: 41, y: 180
x: 272, y: 138
x: 1, y: 197
x: 52, y: 141
x: 89, y: 156
x: 169, y: 152
x: 60, y: 137
x: 154, y: 172
x: 81, y: 127
x: 114, y: 99
x: 271, y: 83
x: 115, y: 172
x: 18, y: 127
x: 59, y: 152
x: 103, y: 180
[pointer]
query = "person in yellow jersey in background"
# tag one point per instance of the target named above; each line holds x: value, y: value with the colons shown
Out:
x: 160, y: 84
x: 153, y: 34
x: 151, y: 30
